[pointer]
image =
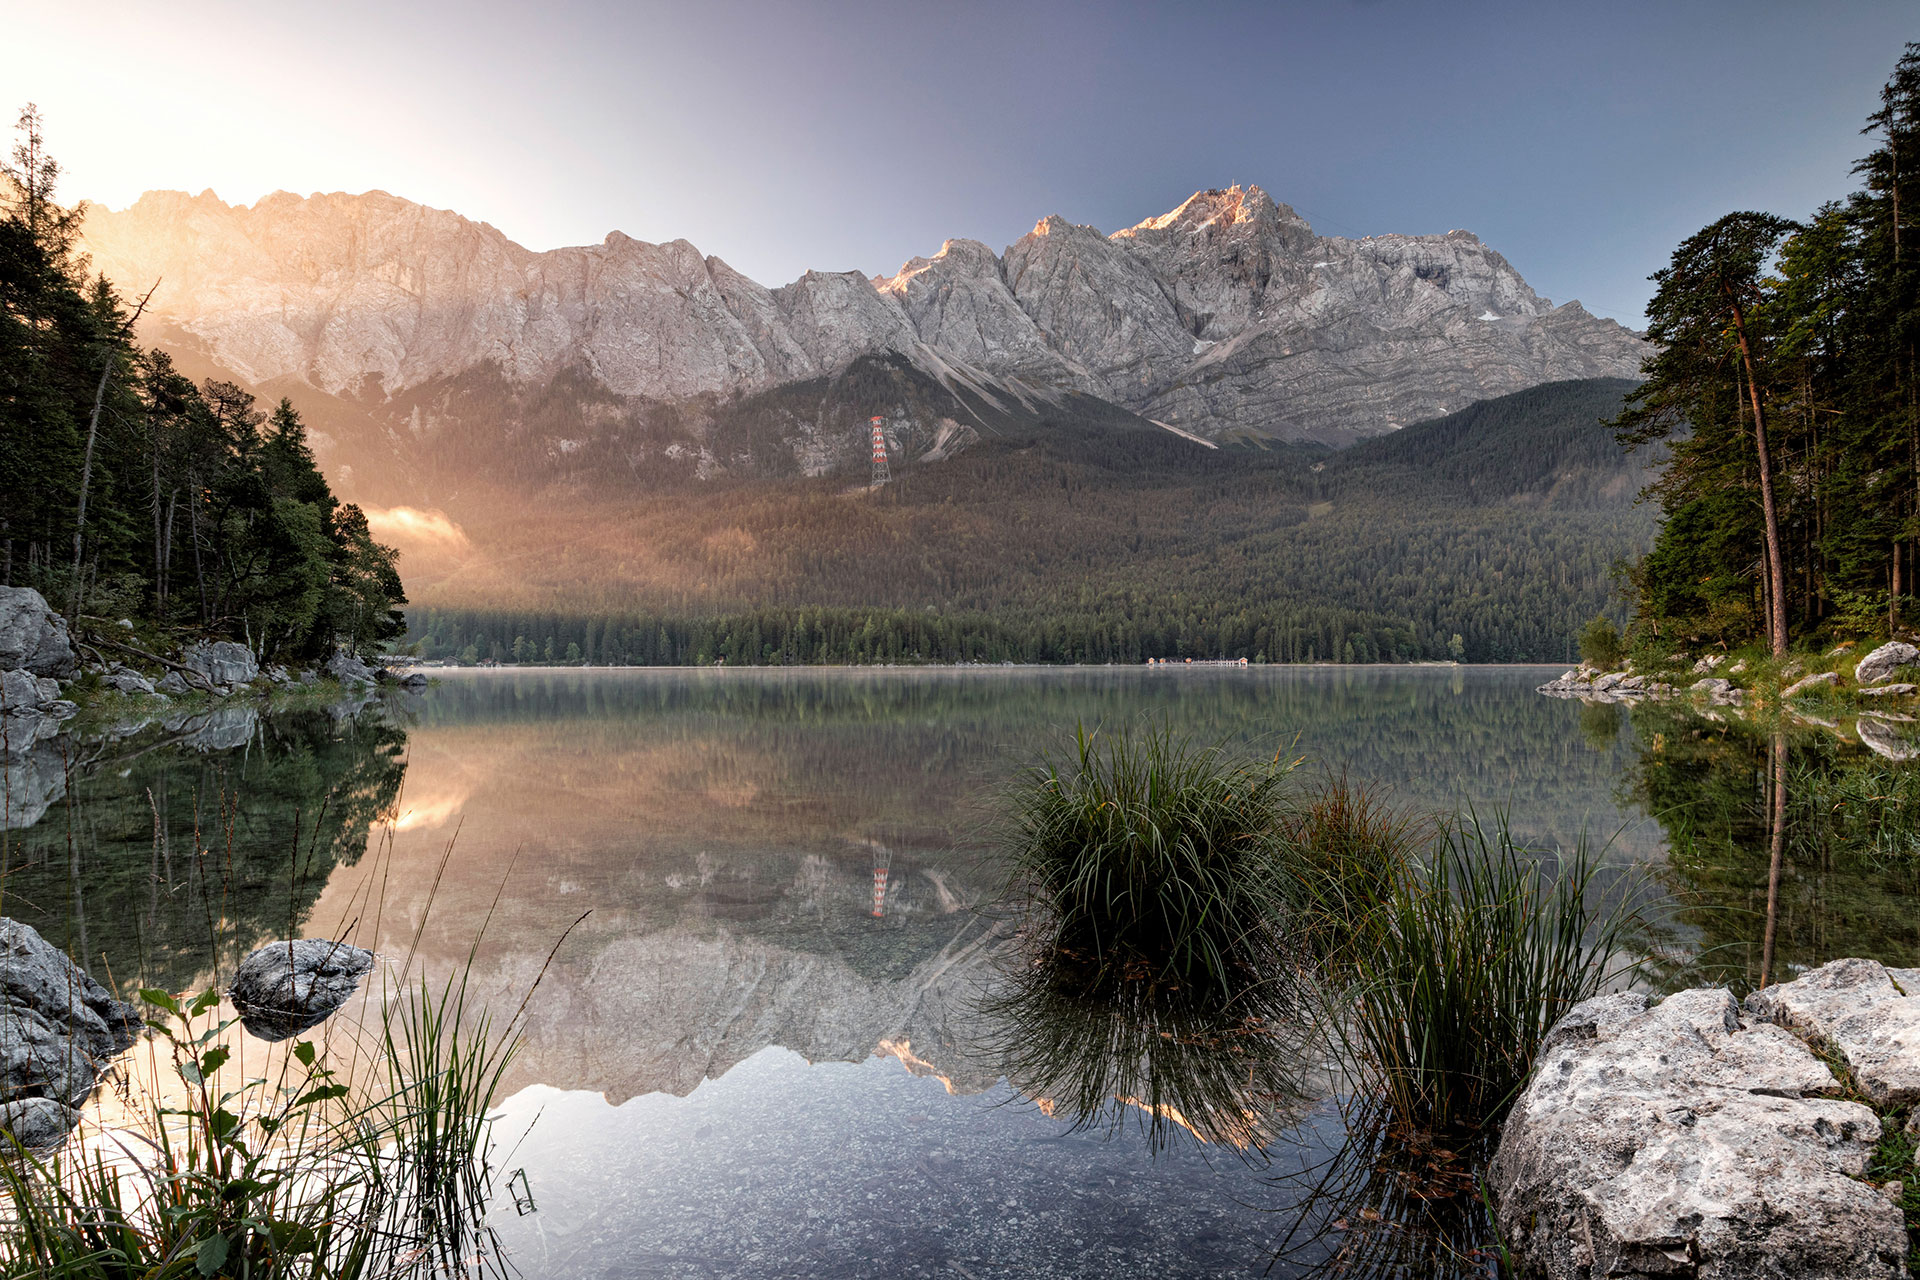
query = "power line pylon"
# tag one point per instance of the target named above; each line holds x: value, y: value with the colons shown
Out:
x: 881, y: 472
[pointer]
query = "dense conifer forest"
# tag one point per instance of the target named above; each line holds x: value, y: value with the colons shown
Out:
x: 128, y: 492
x: 1787, y: 387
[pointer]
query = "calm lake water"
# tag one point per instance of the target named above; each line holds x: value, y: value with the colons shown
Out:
x: 752, y: 900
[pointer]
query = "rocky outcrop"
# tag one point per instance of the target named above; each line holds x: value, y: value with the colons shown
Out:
x: 222, y: 665
x: 33, y: 638
x: 285, y: 988
x: 123, y: 679
x: 1886, y: 738
x: 1227, y: 315
x: 1609, y: 686
x: 1885, y: 662
x: 58, y: 1030
x: 1679, y: 1139
x: 1855, y: 1008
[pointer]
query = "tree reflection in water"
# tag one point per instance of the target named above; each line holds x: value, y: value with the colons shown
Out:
x: 1791, y: 842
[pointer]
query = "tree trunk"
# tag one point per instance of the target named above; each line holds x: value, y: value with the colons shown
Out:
x: 86, y: 478
x: 1776, y: 567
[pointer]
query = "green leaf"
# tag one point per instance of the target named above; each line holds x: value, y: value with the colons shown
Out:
x: 203, y: 1002
x: 292, y: 1237
x: 160, y: 999
x: 305, y: 1052
x: 210, y: 1255
x: 224, y: 1122
x: 213, y: 1059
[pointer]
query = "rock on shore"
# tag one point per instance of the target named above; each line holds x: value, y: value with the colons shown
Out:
x: 1692, y: 1137
x: 58, y: 1030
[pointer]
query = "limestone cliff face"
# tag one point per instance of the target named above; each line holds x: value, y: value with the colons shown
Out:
x: 1226, y: 316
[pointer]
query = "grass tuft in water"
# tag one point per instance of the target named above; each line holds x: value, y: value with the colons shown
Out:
x: 1145, y: 857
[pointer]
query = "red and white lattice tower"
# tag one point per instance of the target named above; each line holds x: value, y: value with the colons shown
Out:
x: 881, y: 472
x: 881, y: 857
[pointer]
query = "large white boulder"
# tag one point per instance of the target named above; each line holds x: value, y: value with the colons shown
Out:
x: 1677, y: 1139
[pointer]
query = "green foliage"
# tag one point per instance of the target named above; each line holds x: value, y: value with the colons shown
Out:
x: 1601, y: 644
x: 127, y: 491
x: 304, y: 1175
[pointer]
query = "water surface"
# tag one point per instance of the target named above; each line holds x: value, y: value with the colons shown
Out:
x: 752, y: 900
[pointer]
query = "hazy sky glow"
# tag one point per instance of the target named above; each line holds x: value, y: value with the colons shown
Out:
x: 1581, y: 140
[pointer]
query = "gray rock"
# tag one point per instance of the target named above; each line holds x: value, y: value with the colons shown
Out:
x: 1825, y: 679
x: 1712, y: 686
x: 224, y: 665
x: 285, y: 988
x: 1603, y: 683
x: 127, y: 680
x: 348, y: 669
x: 33, y: 636
x: 38, y: 1124
x: 1854, y: 1006
x: 414, y: 681
x: 173, y: 684
x: 1883, y: 739
x: 1673, y: 1140
x: 1888, y: 691
x: 1879, y: 666
x: 58, y: 1030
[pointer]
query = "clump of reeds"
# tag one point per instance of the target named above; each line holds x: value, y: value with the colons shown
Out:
x: 1474, y: 954
x: 1349, y: 850
x: 1144, y: 857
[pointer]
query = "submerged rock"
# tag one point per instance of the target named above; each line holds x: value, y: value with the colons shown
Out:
x: 31, y: 780
x: 1879, y: 666
x: 58, y: 1030
x: 285, y: 988
x: 1880, y: 736
x: 32, y: 636
x: 1674, y: 1139
x: 36, y: 1123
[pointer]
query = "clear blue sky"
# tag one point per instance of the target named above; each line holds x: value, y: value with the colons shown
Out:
x: 1583, y: 140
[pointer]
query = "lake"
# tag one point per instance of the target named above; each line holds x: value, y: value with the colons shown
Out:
x: 758, y: 908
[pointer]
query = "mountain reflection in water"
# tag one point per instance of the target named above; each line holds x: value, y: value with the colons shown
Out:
x: 739, y: 1067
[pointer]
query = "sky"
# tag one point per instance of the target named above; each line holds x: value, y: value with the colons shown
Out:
x: 1581, y: 140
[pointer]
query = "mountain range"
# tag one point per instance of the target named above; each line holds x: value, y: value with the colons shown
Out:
x: 427, y: 335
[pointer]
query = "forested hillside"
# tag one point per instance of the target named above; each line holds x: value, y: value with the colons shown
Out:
x: 126, y: 491
x: 1488, y: 535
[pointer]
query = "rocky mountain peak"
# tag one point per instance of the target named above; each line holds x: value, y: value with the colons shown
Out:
x: 1226, y: 315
